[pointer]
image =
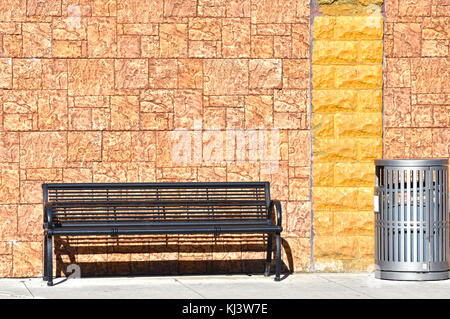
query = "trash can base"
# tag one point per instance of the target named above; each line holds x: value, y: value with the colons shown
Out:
x: 405, y: 275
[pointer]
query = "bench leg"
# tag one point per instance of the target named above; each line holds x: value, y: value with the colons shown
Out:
x: 278, y: 264
x: 49, y: 261
x: 269, y: 254
x: 45, y: 278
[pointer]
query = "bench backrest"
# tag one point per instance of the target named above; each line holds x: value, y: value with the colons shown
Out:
x: 158, y: 202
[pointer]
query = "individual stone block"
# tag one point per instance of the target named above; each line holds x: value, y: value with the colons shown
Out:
x: 296, y: 73
x: 236, y: 38
x: 12, y: 45
x: 370, y: 101
x: 398, y: 72
x: 37, y: 39
x: 150, y: 46
x: 238, y: 8
x: 370, y: 52
x: 44, y: 7
x: 323, y: 125
x: 335, y: 52
x: 334, y: 150
x: 9, y: 147
x: 67, y: 49
x: 258, y: 111
x: 124, y: 113
x: 173, y: 40
x: 205, y: 29
x: 131, y: 73
x: 335, y: 198
x: 422, y: 116
x: 262, y: 46
x: 429, y: 75
x: 358, y: 27
x: 180, y: 8
x: 225, y: 77
x: 139, y: 11
x: 52, y: 110
x: 8, y: 226
x: 434, y: 48
x: 29, y: 219
x: 14, y: 10
x: 190, y: 74
x: 290, y: 100
x: 242, y: 171
x: 162, y: 73
x: 144, y: 146
x: 91, y: 77
x: 419, y: 142
x: 435, y: 28
x: 69, y: 29
x: 282, y: 47
x: 323, y: 27
x: 84, y: 146
x: 411, y: 8
x: 354, y: 174
x: 80, y: 119
x: 27, y: 259
x: 290, y: 11
x: 27, y: 74
x: 394, y: 143
x: 103, y: 8
x: 300, y: 40
x: 298, y: 222
x: 54, y: 74
x: 101, y: 35
x: 40, y: 174
x: 77, y: 175
x: 334, y: 101
x: 214, y: 118
x: 20, y: 101
x: 129, y: 46
x: 187, y: 108
x: 205, y: 49
x: 358, y: 125
x: 360, y: 76
x: 9, y: 183
x: 116, y: 146
x: 265, y: 73
x: 299, y: 189
x: 43, y: 149
x: 407, y: 39
x: 397, y: 107
x: 6, y: 79
x: 299, y: 156
x: 323, y: 77
x: 31, y: 192
x: 157, y: 121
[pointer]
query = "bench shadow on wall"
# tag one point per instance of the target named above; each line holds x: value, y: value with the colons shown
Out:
x: 167, y: 255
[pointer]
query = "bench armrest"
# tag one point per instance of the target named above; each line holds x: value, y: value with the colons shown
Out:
x: 276, y: 204
x: 48, y: 218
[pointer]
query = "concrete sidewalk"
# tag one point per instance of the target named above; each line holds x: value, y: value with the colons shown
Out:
x: 236, y: 286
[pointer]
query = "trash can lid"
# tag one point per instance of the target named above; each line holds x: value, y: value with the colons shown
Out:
x: 412, y: 162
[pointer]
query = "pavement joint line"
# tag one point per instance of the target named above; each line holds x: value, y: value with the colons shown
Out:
x: 29, y: 291
x: 350, y: 288
x: 191, y: 289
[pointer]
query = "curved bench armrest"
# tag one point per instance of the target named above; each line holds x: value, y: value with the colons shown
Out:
x: 48, y: 216
x: 277, y: 205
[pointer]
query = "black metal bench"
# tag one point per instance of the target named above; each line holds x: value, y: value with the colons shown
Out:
x: 160, y: 208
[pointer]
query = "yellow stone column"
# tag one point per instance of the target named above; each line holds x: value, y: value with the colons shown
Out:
x: 347, y: 129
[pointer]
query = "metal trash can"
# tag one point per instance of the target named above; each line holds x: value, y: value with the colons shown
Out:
x: 411, y: 219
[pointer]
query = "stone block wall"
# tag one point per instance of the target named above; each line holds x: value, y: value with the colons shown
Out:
x: 417, y: 73
x: 92, y: 91
x: 164, y: 90
x: 347, y: 126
